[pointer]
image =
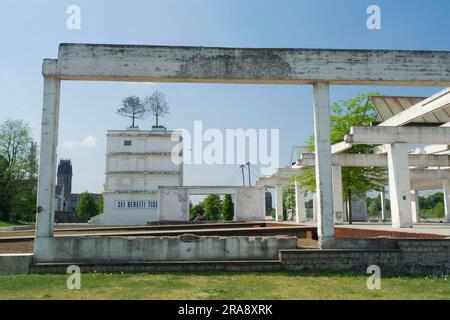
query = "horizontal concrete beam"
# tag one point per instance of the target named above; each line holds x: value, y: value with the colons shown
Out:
x: 376, y: 160
x: 429, y: 174
x: 433, y: 149
x: 428, y: 179
x: 432, y: 104
x: 340, y: 147
x: 206, y: 190
x: 388, y: 135
x: 237, y: 65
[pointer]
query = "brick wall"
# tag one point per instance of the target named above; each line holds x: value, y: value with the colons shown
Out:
x: 351, y: 233
x: 415, y: 257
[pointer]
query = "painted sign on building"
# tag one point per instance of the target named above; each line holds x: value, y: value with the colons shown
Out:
x: 136, y: 204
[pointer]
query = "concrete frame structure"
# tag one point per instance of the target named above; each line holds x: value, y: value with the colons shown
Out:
x: 396, y: 141
x: 376, y: 160
x: 319, y: 67
x: 419, y: 178
x: 249, y: 202
x: 279, y: 180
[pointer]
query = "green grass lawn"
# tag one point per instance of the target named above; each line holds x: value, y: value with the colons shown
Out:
x: 172, y: 286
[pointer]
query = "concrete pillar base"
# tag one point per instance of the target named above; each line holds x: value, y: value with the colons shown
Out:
x: 399, y: 185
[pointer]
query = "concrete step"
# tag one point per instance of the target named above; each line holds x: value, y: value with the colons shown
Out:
x: 166, y: 266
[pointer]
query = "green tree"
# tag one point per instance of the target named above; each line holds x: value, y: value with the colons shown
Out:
x: 356, y: 181
x: 100, y: 204
x: 15, y: 153
x: 288, y: 203
x: 87, y: 207
x: 6, y: 190
x: 24, y: 201
x: 132, y: 107
x: 32, y: 160
x: 196, y: 210
x: 228, y: 208
x: 213, y: 207
x: 438, y: 211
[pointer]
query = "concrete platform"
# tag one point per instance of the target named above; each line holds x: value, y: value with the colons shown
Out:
x: 441, y: 229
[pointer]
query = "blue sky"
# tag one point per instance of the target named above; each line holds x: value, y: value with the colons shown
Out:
x: 32, y: 30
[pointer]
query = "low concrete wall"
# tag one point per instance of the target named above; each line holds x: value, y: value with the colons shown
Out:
x: 15, y: 263
x: 249, y: 202
x: 146, y: 249
x: 173, y: 204
x: 182, y: 266
x: 415, y: 257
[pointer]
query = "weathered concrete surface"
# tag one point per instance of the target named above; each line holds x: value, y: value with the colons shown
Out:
x: 322, y: 144
x: 338, y: 198
x: 300, y: 207
x: 399, y: 185
x: 320, y: 67
x: 376, y: 160
x: 15, y: 263
x: 173, y: 204
x: 146, y: 249
x: 387, y: 135
x: 208, y: 64
x: 48, y: 156
x: 279, y: 203
x: 249, y: 202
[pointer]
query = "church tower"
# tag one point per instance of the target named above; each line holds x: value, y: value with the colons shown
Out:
x: 65, y: 176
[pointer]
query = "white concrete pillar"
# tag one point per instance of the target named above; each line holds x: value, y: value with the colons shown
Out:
x: 446, y: 190
x: 383, y: 205
x: 324, y: 189
x: 279, y: 203
x: 399, y: 185
x: 314, y: 199
x: 415, y: 213
x: 300, y: 208
x: 338, y: 200
x: 48, y: 157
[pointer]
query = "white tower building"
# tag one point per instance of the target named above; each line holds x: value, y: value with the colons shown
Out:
x: 137, y: 162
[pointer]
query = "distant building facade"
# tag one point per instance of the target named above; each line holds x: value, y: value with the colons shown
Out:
x: 65, y: 200
x: 137, y: 162
x: 64, y: 175
x: 63, y: 189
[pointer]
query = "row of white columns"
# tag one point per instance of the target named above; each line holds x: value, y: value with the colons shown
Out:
x: 300, y: 208
x: 338, y: 204
x: 300, y: 203
x: 404, y: 201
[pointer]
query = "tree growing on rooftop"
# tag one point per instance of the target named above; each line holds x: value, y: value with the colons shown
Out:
x: 132, y: 107
x: 157, y: 105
